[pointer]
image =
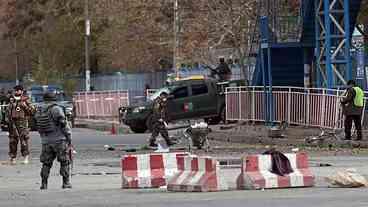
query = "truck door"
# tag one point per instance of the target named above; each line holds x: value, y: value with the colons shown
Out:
x: 176, y: 103
x: 202, y: 99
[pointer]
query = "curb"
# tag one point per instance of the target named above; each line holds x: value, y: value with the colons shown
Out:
x: 102, y: 125
x: 232, y: 137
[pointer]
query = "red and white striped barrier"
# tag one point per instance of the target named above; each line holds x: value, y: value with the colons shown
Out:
x: 197, y: 174
x: 149, y: 170
x: 255, y: 173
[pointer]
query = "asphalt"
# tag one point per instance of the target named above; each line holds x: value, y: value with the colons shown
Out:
x: 97, y: 181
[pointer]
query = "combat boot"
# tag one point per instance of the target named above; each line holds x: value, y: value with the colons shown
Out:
x: 152, y: 142
x: 44, y: 184
x: 169, y: 142
x: 66, y: 183
x: 13, y: 161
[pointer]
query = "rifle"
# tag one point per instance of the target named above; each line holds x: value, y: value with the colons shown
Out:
x: 71, y: 151
x: 213, y: 71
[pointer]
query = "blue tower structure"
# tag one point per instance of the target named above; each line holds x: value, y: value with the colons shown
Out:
x: 318, y: 53
x: 335, y: 23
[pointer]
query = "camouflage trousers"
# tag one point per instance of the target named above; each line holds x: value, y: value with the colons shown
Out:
x: 158, y: 127
x: 18, y: 132
x: 49, y: 153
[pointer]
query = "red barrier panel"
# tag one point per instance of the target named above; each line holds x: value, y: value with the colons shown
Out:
x: 100, y: 103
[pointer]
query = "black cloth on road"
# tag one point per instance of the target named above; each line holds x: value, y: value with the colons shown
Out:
x: 280, y: 163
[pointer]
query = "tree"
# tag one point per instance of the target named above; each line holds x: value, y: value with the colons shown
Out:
x: 139, y: 34
x: 51, y: 33
x: 229, y: 24
x: 363, y: 20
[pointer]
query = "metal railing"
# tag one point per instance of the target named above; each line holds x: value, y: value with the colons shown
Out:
x: 315, y: 107
x: 99, y: 104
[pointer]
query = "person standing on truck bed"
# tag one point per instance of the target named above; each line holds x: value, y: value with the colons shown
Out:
x: 223, y: 70
x: 17, y: 114
x: 159, y: 120
x: 353, y: 108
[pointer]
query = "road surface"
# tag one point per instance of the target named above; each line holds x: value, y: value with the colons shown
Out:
x: 19, y: 185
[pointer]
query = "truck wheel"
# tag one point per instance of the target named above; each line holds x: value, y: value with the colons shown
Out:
x: 213, y: 120
x: 4, y: 128
x: 223, y: 115
x: 149, y: 123
x: 138, y: 129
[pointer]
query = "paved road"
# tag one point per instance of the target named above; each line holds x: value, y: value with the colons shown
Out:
x: 90, y: 137
x: 85, y: 141
x: 19, y: 184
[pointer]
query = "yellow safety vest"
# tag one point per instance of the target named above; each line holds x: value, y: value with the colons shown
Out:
x: 359, y: 97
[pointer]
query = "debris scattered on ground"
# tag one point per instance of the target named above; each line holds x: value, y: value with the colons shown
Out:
x: 324, y: 165
x: 98, y: 173
x: 348, y: 178
x: 295, y: 150
x: 276, y: 132
x: 226, y: 127
x: 130, y: 150
x: 109, y: 148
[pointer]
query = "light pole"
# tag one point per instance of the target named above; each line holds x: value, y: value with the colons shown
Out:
x: 87, y: 36
x: 16, y: 62
x: 176, y: 39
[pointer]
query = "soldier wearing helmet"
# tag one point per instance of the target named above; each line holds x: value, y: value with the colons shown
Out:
x: 56, y: 139
x: 159, y: 120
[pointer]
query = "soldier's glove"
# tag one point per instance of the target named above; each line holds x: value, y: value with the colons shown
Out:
x: 161, y: 120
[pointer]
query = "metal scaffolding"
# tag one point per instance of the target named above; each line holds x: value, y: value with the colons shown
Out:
x: 333, y: 37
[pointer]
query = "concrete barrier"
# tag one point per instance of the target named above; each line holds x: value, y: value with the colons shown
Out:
x: 255, y: 173
x: 197, y: 174
x: 149, y: 170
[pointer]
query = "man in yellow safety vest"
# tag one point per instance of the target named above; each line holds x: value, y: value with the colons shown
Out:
x: 353, y: 104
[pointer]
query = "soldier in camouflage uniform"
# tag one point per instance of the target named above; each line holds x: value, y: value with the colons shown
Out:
x: 56, y: 140
x: 17, y: 114
x: 159, y: 120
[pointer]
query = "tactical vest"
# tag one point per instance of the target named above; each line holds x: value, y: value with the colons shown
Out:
x: 19, y: 109
x: 44, y: 120
x: 17, y: 112
x: 359, y: 97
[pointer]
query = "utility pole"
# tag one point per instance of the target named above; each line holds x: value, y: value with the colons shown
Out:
x: 16, y: 62
x: 176, y: 38
x: 87, y: 37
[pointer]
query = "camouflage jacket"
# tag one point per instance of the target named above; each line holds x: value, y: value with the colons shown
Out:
x: 160, y: 109
x: 20, y: 109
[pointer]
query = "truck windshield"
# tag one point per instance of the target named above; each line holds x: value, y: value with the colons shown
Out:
x: 37, y: 98
x: 158, y: 92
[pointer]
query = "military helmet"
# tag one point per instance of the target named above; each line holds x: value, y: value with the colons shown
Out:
x: 49, y: 96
